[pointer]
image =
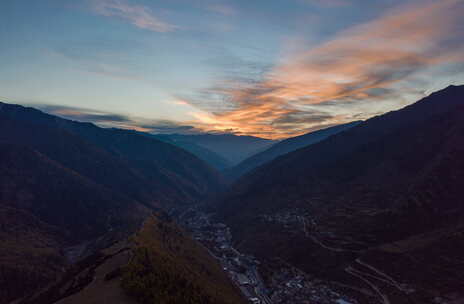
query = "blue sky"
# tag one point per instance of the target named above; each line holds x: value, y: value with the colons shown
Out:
x: 267, y: 68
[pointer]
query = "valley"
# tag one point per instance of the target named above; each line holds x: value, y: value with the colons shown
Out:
x: 232, y: 152
x: 287, y: 285
x: 377, y: 274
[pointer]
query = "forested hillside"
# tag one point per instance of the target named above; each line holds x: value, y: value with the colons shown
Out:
x: 75, y: 185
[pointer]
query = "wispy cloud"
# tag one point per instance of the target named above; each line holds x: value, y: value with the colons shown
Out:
x: 222, y: 9
x: 85, y: 115
x: 138, y: 15
x: 100, y: 59
x: 328, y: 3
x: 361, y: 64
x: 112, y: 120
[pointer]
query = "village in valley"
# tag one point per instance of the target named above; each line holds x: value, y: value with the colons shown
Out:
x: 288, y: 285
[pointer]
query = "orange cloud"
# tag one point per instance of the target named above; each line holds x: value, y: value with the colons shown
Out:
x: 362, y: 63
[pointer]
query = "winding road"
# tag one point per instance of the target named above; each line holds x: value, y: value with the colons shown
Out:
x: 364, y: 276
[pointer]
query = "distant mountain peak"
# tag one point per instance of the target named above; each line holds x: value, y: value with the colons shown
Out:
x: 233, y: 148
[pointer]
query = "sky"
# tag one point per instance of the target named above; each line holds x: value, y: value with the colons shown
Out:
x: 273, y: 69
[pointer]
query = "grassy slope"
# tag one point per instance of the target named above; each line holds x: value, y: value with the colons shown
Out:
x: 105, y: 286
x: 159, y: 264
x: 169, y: 267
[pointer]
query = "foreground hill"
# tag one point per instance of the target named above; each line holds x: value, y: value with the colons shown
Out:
x: 386, y: 192
x: 169, y: 267
x: 231, y: 147
x: 66, y: 184
x: 158, y: 264
x: 285, y: 146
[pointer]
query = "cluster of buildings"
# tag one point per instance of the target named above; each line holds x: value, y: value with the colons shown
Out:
x: 241, y: 268
x: 287, y: 286
x: 293, y: 220
x: 293, y: 286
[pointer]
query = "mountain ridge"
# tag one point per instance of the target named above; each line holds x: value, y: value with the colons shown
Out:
x: 214, y: 159
x: 392, y: 178
x: 285, y: 146
x: 234, y: 148
x: 81, y: 187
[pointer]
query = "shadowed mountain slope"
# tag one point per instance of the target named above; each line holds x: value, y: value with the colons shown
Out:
x: 147, y: 169
x: 65, y: 183
x: 393, y: 178
x: 285, y: 146
x: 30, y: 254
x: 45, y: 208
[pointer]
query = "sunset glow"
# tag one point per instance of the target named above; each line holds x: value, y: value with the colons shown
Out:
x: 229, y: 66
